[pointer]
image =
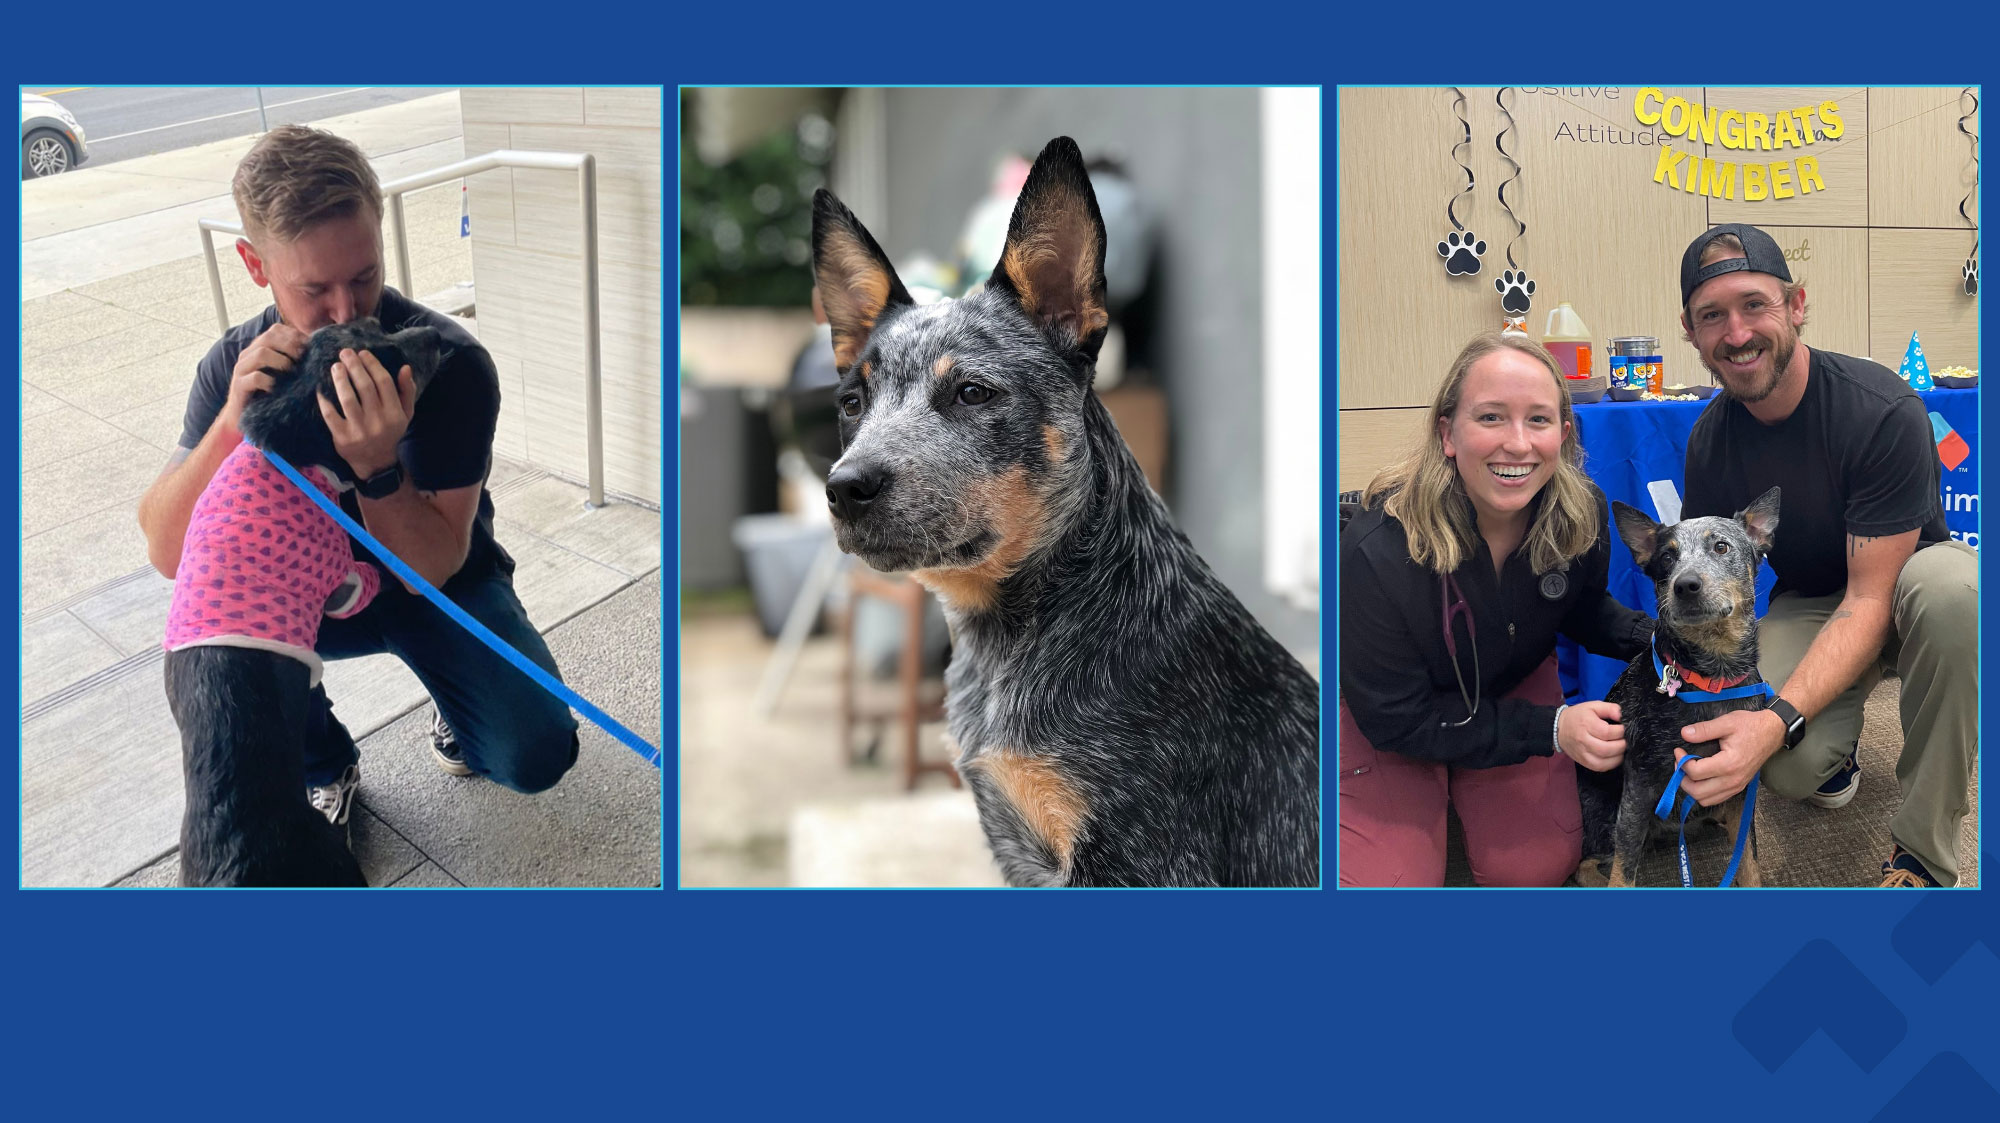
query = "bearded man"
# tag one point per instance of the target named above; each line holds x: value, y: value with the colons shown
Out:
x: 1867, y: 577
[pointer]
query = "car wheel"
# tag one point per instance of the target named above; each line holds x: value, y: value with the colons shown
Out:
x: 46, y: 152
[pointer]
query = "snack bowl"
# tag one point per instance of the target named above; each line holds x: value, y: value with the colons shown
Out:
x: 1701, y: 392
x: 1622, y: 394
x: 1586, y: 397
x: 1950, y: 382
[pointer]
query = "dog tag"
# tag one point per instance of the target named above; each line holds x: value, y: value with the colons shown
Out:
x: 1670, y: 682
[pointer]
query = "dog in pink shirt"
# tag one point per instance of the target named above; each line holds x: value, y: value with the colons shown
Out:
x: 260, y: 566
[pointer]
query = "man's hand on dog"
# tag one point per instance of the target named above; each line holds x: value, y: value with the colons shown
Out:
x: 1589, y: 733
x: 1746, y: 739
x: 278, y: 347
x: 377, y: 409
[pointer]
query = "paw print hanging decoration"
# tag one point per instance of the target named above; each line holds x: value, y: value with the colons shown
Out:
x: 1513, y: 285
x: 1461, y: 249
x: 1969, y: 272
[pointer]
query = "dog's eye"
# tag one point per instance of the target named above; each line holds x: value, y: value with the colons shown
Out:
x: 1721, y: 547
x: 851, y: 405
x: 973, y: 394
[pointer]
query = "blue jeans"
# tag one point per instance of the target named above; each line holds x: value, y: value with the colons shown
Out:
x: 511, y: 730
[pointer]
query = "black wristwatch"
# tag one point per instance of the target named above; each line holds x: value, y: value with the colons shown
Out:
x: 1795, y: 722
x: 382, y: 484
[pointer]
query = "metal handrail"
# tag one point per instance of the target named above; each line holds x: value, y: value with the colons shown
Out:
x: 585, y: 166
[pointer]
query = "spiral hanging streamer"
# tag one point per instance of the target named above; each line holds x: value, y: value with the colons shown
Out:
x: 1458, y: 108
x: 1520, y: 227
x: 1973, y: 137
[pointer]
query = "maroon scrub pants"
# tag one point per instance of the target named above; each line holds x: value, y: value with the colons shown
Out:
x: 1523, y: 825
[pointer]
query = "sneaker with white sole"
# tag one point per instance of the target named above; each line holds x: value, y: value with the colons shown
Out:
x: 336, y: 800
x: 1839, y: 789
x: 444, y: 748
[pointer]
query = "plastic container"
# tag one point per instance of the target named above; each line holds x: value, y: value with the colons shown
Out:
x: 1569, y: 341
x: 778, y: 552
x: 1636, y: 363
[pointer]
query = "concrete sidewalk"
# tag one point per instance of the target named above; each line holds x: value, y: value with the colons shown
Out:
x: 115, y: 312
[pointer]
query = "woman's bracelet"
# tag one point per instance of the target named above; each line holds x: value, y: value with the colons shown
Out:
x: 1555, y: 730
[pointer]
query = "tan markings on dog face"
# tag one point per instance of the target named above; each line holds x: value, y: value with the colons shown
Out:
x: 866, y: 370
x: 854, y: 288
x: 1052, y: 439
x: 1041, y: 795
x: 1018, y: 517
x: 1054, y: 265
x: 942, y: 367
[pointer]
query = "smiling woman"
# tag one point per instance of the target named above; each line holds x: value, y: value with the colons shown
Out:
x: 1489, y: 518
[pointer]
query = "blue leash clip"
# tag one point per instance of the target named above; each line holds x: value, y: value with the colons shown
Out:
x: 485, y: 635
x: 1665, y: 809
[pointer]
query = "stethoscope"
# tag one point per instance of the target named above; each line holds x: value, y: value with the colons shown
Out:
x: 1447, y: 590
x: 1553, y: 585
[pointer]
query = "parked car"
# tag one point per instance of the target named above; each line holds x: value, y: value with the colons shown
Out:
x: 51, y: 140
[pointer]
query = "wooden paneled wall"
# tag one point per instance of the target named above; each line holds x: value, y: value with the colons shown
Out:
x: 1879, y: 250
x: 527, y: 276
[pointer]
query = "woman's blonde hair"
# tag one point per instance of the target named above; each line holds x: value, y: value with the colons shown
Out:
x: 1425, y: 494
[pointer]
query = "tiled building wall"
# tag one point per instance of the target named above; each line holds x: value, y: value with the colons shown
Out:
x: 527, y: 270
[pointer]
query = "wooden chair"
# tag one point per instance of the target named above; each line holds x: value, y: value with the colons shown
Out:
x: 914, y: 701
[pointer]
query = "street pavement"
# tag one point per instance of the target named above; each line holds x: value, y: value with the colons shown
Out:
x: 116, y: 310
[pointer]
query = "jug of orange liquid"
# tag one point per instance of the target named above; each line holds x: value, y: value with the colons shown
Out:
x: 1569, y: 341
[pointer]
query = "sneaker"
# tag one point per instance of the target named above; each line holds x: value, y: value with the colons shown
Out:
x: 1839, y: 789
x: 1903, y: 871
x: 336, y: 800
x: 444, y: 748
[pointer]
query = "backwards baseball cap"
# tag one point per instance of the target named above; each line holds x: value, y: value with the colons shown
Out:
x: 1761, y: 255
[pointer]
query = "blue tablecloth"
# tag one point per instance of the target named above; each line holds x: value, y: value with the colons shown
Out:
x: 1629, y: 445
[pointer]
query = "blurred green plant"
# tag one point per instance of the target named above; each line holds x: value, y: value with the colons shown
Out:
x: 746, y: 225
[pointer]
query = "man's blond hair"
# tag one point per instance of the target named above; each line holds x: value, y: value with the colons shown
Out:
x: 297, y: 177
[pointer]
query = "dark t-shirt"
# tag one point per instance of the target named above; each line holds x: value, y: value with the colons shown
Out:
x: 450, y: 440
x: 1396, y: 674
x: 1856, y: 457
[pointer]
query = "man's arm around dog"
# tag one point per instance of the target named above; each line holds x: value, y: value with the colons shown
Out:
x: 167, y: 506
x: 1849, y: 641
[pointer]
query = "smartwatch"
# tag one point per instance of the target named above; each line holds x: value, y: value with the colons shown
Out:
x: 1795, y: 722
x: 382, y: 484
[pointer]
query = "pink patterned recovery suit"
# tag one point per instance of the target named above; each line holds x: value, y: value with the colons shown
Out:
x: 261, y: 564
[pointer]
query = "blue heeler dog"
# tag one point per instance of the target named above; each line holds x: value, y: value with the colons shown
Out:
x: 1121, y: 718
x: 1704, y: 573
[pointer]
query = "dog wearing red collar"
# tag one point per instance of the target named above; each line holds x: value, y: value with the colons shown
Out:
x: 1703, y: 663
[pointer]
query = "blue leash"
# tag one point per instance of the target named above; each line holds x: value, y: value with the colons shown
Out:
x: 548, y: 682
x: 1665, y: 808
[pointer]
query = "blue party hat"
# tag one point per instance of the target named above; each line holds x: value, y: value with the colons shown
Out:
x: 1916, y: 369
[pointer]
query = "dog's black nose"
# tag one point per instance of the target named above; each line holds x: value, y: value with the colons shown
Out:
x: 850, y: 489
x: 1687, y: 586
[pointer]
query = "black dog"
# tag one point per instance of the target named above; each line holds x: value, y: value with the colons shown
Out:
x: 1704, y: 573
x: 1121, y: 718
x: 240, y: 668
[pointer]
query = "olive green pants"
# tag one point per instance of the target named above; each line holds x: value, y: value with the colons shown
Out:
x: 1935, y: 651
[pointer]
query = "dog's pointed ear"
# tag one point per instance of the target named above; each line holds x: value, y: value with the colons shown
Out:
x: 1054, y: 260
x: 856, y: 282
x: 1760, y: 519
x: 1640, y: 532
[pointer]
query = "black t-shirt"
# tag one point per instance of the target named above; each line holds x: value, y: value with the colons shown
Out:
x: 1396, y: 674
x: 1856, y: 457
x: 450, y: 440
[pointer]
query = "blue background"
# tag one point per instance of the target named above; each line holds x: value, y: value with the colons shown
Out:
x: 1248, y: 1005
